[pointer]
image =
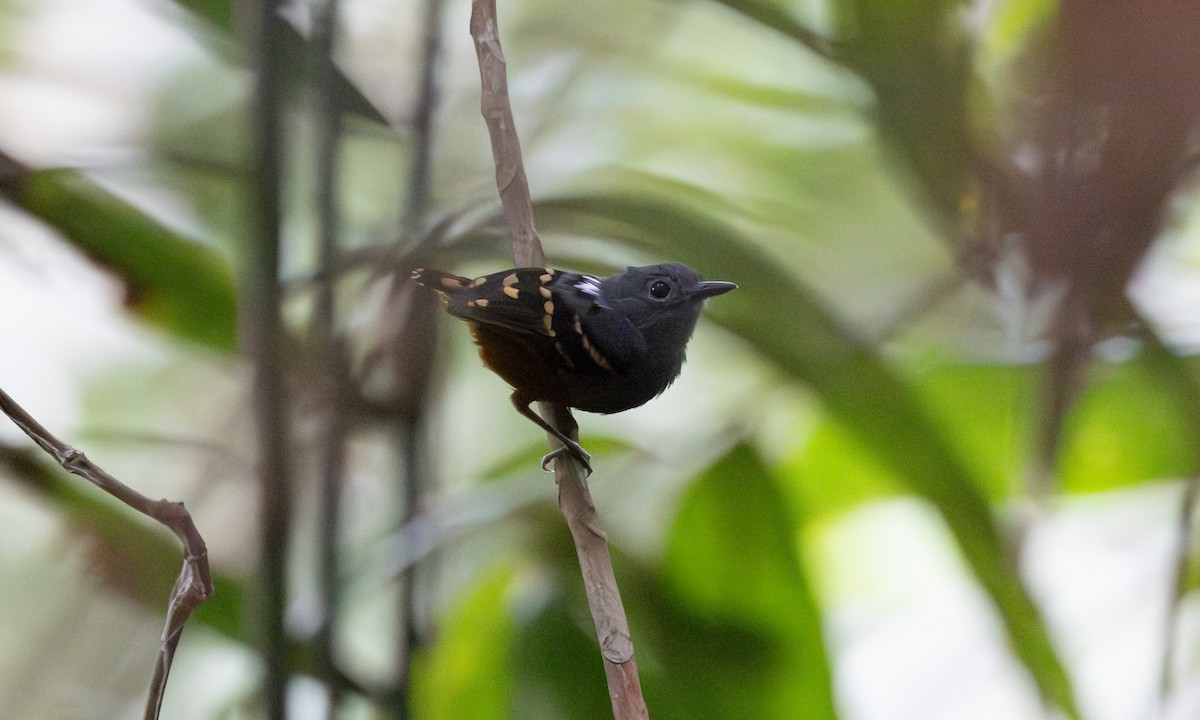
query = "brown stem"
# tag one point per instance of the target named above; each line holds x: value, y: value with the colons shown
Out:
x: 506, y: 148
x: 591, y: 542
x: 194, y: 584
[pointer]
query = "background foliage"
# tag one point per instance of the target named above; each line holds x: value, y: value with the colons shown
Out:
x: 932, y: 459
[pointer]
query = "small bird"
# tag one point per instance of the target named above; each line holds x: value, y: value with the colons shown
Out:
x: 603, y: 345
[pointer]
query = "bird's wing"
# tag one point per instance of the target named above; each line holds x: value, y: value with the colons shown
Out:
x: 512, y: 299
x: 593, y: 330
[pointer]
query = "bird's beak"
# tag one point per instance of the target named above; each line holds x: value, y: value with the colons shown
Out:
x: 712, y: 288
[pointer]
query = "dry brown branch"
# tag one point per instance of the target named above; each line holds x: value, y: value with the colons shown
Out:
x: 506, y: 147
x: 194, y: 584
x: 591, y: 543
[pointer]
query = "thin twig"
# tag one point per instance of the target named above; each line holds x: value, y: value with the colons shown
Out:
x: 419, y: 175
x: 506, y: 147
x: 329, y: 128
x: 410, y: 443
x: 194, y: 584
x: 591, y: 542
x: 263, y: 293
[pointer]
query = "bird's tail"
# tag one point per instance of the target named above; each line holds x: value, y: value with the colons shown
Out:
x: 437, y: 280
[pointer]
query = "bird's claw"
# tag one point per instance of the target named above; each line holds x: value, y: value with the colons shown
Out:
x: 575, y: 450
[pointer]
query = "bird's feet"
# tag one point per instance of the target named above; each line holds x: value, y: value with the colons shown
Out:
x: 569, y: 448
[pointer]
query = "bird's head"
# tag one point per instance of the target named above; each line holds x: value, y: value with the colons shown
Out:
x: 662, y: 300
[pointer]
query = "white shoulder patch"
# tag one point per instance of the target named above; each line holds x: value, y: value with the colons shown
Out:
x: 589, y: 284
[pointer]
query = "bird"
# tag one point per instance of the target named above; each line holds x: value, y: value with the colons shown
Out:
x: 601, y: 345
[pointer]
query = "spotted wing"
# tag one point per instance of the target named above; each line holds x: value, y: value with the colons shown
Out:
x: 519, y: 300
x: 593, y: 333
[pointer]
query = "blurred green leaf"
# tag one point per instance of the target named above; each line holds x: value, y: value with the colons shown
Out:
x: 1135, y: 421
x: 1130, y: 425
x: 217, y: 12
x: 724, y: 627
x: 835, y: 472
x: 1013, y: 20
x: 779, y: 16
x: 916, y: 57
x: 468, y: 671
x: 180, y: 285
x: 785, y: 323
x: 986, y: 414
x: 731, y: 560
x: 559, y: 672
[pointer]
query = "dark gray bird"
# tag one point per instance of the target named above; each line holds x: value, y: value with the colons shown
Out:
x: 597, y: 344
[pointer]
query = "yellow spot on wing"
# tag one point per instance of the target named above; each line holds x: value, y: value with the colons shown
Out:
x: 479, y: 281
x: 566, y: 358
x: 512, y: 292
x: 548, y: 276
x: 451, y: 282
x: 549, y: 320
x: 596, y: 356
x: 481, y: 302
x: 545, y: 291
x: 548, y: 306
x: 511, y: 280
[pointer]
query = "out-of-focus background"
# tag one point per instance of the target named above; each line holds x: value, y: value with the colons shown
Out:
x: 932, y: 460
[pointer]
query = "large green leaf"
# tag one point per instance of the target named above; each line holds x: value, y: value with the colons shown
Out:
x: 782, y: 17
x: 983, y: 411
x: 217, y: 12
x: 1136, y: 421
x: 835, y: 471
x: 787, y: 325
x: 986, y: 413
x: 559, y: 672
x: 732, y: 561
x: 172, y: 281
x: 468, y: 671
x: 716, y: 636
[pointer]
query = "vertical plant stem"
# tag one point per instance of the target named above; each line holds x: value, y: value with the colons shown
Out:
x: 410, y: 431
x: 420, y: 173
x: 574, y: 499
x: 1176, y: 373
x: 265, y: 330
x: 329, y: 128
x: 506, y: 147
x: 327, y: 337
x: 410, y: 442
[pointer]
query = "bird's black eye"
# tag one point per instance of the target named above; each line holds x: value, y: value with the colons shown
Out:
x: 660, y: 289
